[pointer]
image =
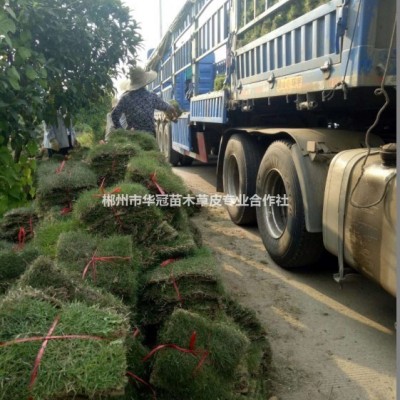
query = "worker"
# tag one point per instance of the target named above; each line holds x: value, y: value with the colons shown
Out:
x: 138, y: 104
x: 57, y: 138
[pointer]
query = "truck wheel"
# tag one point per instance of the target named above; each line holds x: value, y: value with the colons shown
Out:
x: 171, y: 155
x: 186, y: 161
x: 282, y: 224
x: 241, y: 161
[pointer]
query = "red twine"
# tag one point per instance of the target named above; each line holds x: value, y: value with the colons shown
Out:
x: 66, y: 210
x: 21, y: 238
x: 192, y: 342
x: 41, y: 352
x: 137, y: 378
x: 167, y: 262
x: 45, y: 340
x: 155, y: 183
x: 191, y: 350
x: 94, y: 259
x: 164, y: 264
x: 104, y: 193
x: 60, y: 168
x: 136, y: 332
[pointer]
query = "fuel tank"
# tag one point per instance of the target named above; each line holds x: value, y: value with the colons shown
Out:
x: 359, y: 214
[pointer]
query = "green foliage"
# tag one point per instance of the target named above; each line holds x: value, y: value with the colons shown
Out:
x: 93, y: 115
x: 219, y: 82
x: 84, y: 135
x: 16, y: 179
x: 42, y: 69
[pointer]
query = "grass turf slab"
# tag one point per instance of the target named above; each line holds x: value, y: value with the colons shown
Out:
x: 180, y: 374
x: 63, y: 187
x: 191, y: 283
x: 141, y: 168
x: 14, y: 220
x: 55, y: 282
x: 117, y: 263
x: 109, y: 160
x: 103, y: 217
x: 13, y: 263
x: 71, y: 367
x: 47, y: 234
x: 252, y: 378
x: 144, y: 140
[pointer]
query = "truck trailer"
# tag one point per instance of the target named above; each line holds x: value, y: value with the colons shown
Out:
x: 297, y: 100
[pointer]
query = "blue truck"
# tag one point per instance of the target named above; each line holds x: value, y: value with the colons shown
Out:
x: 297, y: 99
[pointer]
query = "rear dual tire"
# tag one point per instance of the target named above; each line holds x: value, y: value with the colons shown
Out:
x: 282, y: 227
x: 241, y: 161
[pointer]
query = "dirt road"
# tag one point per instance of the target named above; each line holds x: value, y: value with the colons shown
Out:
x: 328, y: 343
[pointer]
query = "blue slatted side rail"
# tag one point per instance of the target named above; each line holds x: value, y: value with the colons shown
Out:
x: 167, y: 93
x: 181, y: 133
x: 179, y: 92
x: 292, y: 48
x: 208, y: 107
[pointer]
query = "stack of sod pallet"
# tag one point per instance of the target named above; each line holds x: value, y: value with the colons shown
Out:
x: 59, y: 184
x: 83, y: 357
x: 197, y: 358
x: 147, y: 170
x: 128, y: 272
x: 18, y: 224
x: 109, y: 160
x: 191, y: 283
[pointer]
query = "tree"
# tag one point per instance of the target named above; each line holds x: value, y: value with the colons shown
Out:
x: 54, y: 54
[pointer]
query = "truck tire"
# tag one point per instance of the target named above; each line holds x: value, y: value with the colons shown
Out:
x: 186, y: 161
x: 241, y: 161
x: 282, y: 227
x: 171, y: 155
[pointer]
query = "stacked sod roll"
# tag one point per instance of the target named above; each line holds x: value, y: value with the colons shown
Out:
x: 116, y: 298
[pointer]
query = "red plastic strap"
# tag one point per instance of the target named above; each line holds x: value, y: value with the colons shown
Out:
x: 178, y: 293
x: 203, y: 353
x: 94, y: 259
x: 136, y: 332
x: 167, y: 262
x: 60, y: 168
x: 117, y: 218
x: 164, y: 264
x: 103, y: 192
x: 201, y: 362
x: 155, y: 183
x: 192, y: 342
x: 132, y: 375
x: 66, y: 210
x: 21, y: 237
x: 101, y: 187
x: 41, y: 352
